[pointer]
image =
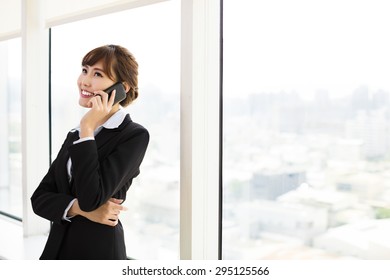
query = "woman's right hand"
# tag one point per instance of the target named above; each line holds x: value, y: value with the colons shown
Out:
x: 101, y: 109
x: 107, y: 214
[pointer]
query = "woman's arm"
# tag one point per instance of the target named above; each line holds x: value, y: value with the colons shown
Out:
x: 48, y: 201
x: 95, y: 180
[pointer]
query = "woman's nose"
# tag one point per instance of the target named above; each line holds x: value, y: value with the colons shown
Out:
x: 86, y: 82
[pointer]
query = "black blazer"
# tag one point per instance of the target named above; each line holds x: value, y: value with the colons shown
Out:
x: 101, y: 169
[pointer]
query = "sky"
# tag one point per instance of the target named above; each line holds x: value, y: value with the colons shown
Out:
x: 305, y: 45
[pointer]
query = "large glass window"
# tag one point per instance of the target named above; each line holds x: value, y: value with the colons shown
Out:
x: 306, y: 130
x: 152, y: 34
x: 10, y: 128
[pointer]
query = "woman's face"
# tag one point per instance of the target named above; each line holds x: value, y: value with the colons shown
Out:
x: 91, y: 79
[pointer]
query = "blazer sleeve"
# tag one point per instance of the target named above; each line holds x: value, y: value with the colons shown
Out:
x: 97, y: 181
x: 47, y: 201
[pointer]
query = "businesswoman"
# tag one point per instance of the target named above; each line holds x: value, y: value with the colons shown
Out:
x: 82, y: 192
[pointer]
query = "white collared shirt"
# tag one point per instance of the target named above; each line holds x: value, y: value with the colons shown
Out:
x: 113, y: 122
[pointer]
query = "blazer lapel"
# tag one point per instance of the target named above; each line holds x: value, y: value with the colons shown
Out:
x: 105, y: 135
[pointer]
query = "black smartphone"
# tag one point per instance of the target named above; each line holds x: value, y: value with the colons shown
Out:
x: 120, y: 93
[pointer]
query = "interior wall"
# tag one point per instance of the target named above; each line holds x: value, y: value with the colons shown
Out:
x: 10, y: 19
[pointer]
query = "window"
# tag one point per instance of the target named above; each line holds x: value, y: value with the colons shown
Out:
x: 151, y: 223
x: 10, y: 132
x: 306, y: 130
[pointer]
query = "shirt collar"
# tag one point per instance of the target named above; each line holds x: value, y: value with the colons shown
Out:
x: 115, y: 120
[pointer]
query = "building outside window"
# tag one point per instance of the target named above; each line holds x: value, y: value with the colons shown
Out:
x: 306, y: 130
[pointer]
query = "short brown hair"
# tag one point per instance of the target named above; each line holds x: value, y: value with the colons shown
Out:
x: 119, y: 64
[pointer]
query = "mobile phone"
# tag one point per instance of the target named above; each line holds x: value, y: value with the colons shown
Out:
x: 120, y: 92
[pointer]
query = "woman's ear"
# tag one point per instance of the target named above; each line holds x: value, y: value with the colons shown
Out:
x: 127, y: 87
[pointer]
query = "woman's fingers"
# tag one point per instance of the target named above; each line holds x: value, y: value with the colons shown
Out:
x: 116, y: 200
x: 101, y: 101
x: 104, y: 98
x: 114, y: 207
x: 112, y: 98
x: 110, y: 211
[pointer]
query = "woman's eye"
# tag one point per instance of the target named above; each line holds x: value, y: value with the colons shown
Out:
x: 84, y: 70
x: 98, y: 74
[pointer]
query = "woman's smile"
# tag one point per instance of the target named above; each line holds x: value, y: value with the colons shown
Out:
x: 86, y: 94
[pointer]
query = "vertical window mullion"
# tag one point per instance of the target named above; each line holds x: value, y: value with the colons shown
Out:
x: 200, y: 130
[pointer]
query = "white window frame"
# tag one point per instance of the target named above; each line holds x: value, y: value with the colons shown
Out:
x: 200, y: 107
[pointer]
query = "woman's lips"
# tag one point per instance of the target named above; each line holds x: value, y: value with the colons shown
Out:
x: 86, y: 94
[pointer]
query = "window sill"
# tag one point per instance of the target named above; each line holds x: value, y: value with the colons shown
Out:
x: 13, y: 246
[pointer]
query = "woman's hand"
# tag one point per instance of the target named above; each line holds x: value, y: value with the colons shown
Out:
x: 107, y: 214
x: 101, y: 109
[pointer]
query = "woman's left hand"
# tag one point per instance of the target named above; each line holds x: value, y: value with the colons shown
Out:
x: 106, y: 214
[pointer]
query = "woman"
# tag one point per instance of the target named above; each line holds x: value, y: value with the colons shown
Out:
x: 86, y: 184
